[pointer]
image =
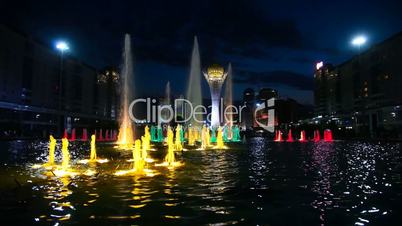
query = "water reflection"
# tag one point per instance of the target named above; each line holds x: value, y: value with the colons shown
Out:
x: 324, y: 163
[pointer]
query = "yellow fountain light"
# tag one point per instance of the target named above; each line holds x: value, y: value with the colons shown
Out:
x: 93, y: 158
x: 125, y: 138
x: 170, y: 160
x: 219, y: 140
x: 138, y: 164
x: 50, y: 163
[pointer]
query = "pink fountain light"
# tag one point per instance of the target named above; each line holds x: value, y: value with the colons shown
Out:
x: 84, y: 135
x: 278, y: 136
x: 290, y: 137
x: 328, y: 135
x: 100, y: 135
x: 317, y: 136
x: 302, y: 136
x: 114, y: 135
x: 73, y: 137
x: 107, y: 138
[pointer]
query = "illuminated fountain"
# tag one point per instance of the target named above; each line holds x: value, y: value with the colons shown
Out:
x: 191, y: 136
x: 205, y: 138
x: 228, y: 101
x: 290, y: 137
x: 278, y: 136
x: 65, y: 153
x: 139, y: 161
x: 219, y: 140
x: 65, y: 169
x: 84, y: 135
x: 159, y: 133
x: 316, y: 136
x: 153, y: 133
x: 125, y: 138
x: 236, y: 133
x: 100, y: 138
x: 107, y: 137
x: 146, y: 141
x: 213, y: 136
x: 52, y: 148
x: 65, y: 135
x: 93, y: 158
x: 215, y: 77
x: 194, y: 86
x: 50, y: 162
x: 73, y: 136
x: 178, y: 142
x: 170, y: 160
x: 303, y: 136
x: 328, y: 135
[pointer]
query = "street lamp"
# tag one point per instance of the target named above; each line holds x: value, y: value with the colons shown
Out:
x: 61, y: 46
x: 359, y: 41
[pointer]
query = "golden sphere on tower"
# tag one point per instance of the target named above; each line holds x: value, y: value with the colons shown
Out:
x: 215, y: 71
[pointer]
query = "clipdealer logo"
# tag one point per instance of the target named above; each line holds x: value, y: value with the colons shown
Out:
x: 165, y: 113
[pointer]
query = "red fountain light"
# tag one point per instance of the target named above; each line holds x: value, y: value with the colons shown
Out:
x: 328, y: 135
x: 317, y: 137
x: 65, y: 134
x: 84, y: 135
x: 290, y: 137
x: 302, y: 136
x: 278, y: 136
x: 73, y: 137
x: 107, y: 138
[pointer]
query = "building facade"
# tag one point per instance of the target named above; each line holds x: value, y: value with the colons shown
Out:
x: 38, y: 98
x: 363, y: 93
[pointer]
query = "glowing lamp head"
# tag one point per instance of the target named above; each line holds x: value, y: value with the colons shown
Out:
x: 62, y: 46
x: 359, y: 40
x: 319, y: 65
x: 215, y: 71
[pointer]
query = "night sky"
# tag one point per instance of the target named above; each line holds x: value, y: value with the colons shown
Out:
x: 269, y: 43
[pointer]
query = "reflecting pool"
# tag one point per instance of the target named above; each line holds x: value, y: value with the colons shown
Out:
x: 261, y: 182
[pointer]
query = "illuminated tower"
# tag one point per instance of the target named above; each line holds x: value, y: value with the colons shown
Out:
x: 215, y: 76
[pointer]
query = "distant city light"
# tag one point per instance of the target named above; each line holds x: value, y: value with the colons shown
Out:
x: 62, y: 46
x: 359, y: 40
x: 319, y: 65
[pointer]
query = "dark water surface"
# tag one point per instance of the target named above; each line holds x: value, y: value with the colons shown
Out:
x: 260, y: 183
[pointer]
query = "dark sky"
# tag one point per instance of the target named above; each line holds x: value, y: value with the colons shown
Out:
x: 269, y: 43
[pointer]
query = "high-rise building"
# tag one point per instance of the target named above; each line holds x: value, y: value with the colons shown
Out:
x: 364, y: 92
x: 32, y: 103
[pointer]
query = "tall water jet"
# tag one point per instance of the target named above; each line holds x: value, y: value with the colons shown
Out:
x: 178, y: 142
x: 194, y: 86
x: 302, y: 136
x: 228, y: 100
x: 278, y: 136
x: 328, y: 135
x: 219, y: 139
x: 290, y: 137
x: 126, y: 134
x: 52, y: 147
x: 93, y: 157
x: 317, y: 137
x: 166, y: 102
x: 66, y: 155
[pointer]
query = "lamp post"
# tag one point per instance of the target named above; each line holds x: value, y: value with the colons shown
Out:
x: 62, y: 47
x: 358, y: 41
